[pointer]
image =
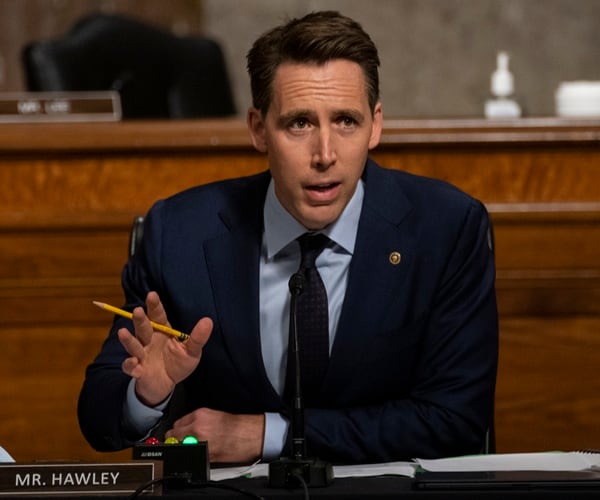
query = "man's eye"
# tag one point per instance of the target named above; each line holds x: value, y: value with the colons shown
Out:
x: 346, y: 121
x: 299, y: 123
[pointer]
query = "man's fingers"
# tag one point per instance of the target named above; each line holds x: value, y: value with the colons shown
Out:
x: 135, y: 350
x: 129, y: 367
x: 199, y: 336
x: 156, y: 311
x: 143, y: 328
x: 131, y: 344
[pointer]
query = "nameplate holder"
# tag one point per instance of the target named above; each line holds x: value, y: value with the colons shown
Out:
x: 34, y: 107
x: 79, y: 479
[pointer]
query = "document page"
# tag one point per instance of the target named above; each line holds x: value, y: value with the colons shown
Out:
x: 5, y: 457
x: 407, y: 469
x: 543, y: 461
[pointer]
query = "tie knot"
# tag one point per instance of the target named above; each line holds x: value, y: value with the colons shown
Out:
x: 311, y: 245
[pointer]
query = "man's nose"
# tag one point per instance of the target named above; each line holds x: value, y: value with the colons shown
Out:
x: 324, y: 154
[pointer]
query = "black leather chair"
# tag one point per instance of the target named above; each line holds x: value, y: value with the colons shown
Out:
x: 135, y: 234
x: 157, y: 74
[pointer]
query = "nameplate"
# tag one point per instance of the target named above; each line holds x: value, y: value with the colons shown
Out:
x: 59, y: 106
x: 82, y: 479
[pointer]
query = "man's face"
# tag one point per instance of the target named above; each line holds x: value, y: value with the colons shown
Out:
x: 317, y: 134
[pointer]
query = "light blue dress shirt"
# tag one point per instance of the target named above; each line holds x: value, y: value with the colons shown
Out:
x: 280, y: 258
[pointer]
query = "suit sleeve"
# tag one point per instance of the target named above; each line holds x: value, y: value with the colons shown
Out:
x: 450, y: 404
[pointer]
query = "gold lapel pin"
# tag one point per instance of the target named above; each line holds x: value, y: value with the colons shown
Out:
x: 395, y: 258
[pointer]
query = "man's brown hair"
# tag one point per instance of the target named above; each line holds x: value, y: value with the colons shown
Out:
x: 316, y: 38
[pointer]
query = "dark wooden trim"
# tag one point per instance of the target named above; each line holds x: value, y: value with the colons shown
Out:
x: 232, y: 134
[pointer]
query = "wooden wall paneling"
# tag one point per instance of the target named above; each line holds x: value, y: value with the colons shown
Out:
x: 547, y: 258
x: 58, y: 273
x: 42, y: 371
x: 548, y: 286
x: 504, y: 173
x: 548, y: 384
x: 62, y: 190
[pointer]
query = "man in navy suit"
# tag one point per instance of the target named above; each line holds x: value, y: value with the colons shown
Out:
x: 408, y: 271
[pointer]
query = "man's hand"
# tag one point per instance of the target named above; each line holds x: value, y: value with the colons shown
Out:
x: 231, y: 438
x: 159, y: 361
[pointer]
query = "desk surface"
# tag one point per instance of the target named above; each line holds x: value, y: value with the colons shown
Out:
x: 362, y: 488
x: 384, y: 487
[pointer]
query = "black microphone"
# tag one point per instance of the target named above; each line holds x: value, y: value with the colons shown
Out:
x: 296, y: 285
x: 292, y: 472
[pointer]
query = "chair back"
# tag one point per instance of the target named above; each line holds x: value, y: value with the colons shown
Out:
x: 157, y: 74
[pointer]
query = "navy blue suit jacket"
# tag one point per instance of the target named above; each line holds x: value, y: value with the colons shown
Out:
x: 413, y: 366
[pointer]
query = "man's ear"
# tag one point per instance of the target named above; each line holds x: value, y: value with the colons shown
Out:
x: 377, y: 126
x: 256, y: 127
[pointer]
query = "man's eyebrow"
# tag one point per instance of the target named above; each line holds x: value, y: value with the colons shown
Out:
x: 352, y: 113
x: 289, y: 117
x: 296, y: 114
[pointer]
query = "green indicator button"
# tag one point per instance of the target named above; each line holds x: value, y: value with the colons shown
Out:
x: 190, y: 440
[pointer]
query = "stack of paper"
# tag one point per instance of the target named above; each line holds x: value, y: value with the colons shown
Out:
x: 407, y: 469
x: 545, y: 461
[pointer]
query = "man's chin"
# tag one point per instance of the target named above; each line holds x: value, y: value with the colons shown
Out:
x: 318, y: 218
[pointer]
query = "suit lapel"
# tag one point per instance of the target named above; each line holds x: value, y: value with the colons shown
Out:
x: 233, y: 265
x: 375, y: 275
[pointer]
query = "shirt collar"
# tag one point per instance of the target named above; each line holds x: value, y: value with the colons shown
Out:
x: 281, y: 228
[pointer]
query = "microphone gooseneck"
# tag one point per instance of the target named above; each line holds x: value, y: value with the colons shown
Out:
x: 298, y: 469
x: 296, y: 285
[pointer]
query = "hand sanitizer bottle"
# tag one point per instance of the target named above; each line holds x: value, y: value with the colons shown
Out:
x: 502, y: 85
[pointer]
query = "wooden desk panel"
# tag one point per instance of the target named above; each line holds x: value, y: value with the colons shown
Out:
x: 41, y: 377
x: 70, y: 191
x: 548, y: 389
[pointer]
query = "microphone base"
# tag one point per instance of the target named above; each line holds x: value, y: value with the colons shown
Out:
x: 283, y: 473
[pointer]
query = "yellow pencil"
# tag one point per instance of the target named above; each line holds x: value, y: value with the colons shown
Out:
x: 161, y: 328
